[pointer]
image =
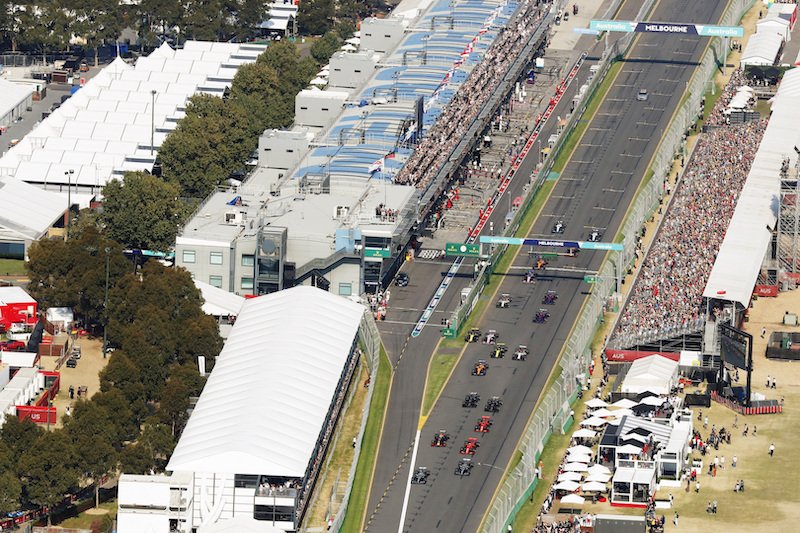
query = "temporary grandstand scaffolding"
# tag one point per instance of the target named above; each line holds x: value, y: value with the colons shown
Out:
x: 788, y: 232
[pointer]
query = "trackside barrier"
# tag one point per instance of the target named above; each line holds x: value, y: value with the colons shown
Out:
x: 371, y: 347
x: 768, y: 407
x: 554, y: 408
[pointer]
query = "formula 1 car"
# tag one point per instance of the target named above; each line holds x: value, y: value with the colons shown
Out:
x: 499, y: 350
x: 550, y: 298
x: 483, y: 424
x: 521, y: 353
x: 541, y: 262
x: 559, y: 227
x: 595, y: 236
x: 490, y: 337
x: 473, y: 335
x: 504, y: 301
x: 440, y: 439
x: 541, y: 316
x: 471, y: 445
x: 420, y: 476
x: 480, y: 368
x: 464, y: 467
x: 471, y: 400
x: 493, y: 404
x: 530, y: 276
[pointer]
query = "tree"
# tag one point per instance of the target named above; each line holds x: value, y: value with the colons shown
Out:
x: 174, y: 404
x: 16, y: 436
x: 325, y: 46
x: 315, y: 17
x: 97, y: 22
x: 10, y: 492
x: 49, y: 470
x: 142, y: 211
x: 151, y: 452
x: 157, y: 18
x: 91, y: 428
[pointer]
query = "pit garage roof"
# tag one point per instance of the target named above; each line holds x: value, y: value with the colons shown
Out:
x: 266, y: 400
x: 742, y: 252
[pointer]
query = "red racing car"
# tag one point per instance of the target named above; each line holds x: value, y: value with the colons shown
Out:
x: 470, y: 446
x: 483, y: 425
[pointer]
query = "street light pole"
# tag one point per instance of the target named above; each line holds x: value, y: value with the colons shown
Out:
x: 68, y: 174
x: 152, y: 120
x: 105, y: 308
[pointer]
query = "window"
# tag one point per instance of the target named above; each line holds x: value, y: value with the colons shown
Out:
x: 345, y: 289
x: 189, y: 256
x: 248, y: 260
x: 215, y: 281
x: 215, y: 258
x: 304, y: 108
x: 245, y: 481
x: 247, y: 283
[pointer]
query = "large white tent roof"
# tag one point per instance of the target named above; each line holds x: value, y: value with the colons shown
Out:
x: 26, y: 212
x: 263, y: 407
x: 218, y: 302
x: 654, y: 373
x: 13, y: 95
x: 742, y: 251
x: 762, y: 49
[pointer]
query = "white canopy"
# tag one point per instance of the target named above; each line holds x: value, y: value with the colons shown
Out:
x: 653, y: 373
x: 263, y: 408
x: 567, y: 485
x: 570, y: 476
x: 599, y: 469
x: 594, y: 422
x: 600, y: 478
x: 655, y: 401
x: 602, y: 413
x: 595, y: 403
x: 584, y: 433
x: 349, y: 48
x: 579, y: 448
x: 624, y: 403
x: 741, y: 254
x: 629, y: 449
x: 575, y: 467
x: 218, y: 302
x: 319, y: 81
x: 593, y: 486
x: 762, y: 49
x: 573, y: 499
x: 579, y: 458
x: 27, y: 212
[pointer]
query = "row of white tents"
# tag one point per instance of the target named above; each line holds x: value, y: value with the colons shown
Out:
x: 772, y: 31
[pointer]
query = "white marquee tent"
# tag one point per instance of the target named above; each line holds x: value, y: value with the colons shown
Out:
x: 653, y: 373
x: 762, y: 49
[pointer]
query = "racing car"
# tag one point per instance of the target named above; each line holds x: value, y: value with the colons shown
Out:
x: 471, y: 445
x: 541, y: 316
x: 521, y: 353
x: 550, y: 298
x: 420, y: 476
x: 504, y: 301
x: 530, y: 276
x: 480, y: 368
x: 541, y: 262
x: 483, y: 424
x: 490, y: 337
x: 559, y: 227
x: 493, y: 404
x: 473, y: 335
x: 471, y: 400
x: 464, y: 467
x: 499, y: 350
x: 440, y: 439
x: 595, y: 236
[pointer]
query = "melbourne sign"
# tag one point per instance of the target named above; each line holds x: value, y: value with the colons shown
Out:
x: 703, y: 30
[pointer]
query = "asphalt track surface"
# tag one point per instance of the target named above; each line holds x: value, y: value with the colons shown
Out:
x: 593, y: 192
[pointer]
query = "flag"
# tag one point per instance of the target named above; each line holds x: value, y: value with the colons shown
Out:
x: 377, y: 166
x: 390, y: 155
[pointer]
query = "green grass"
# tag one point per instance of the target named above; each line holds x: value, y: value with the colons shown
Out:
x: 85, y: 520
x: 369, y: 446
x: 12, y: 267
x: 441, y: 366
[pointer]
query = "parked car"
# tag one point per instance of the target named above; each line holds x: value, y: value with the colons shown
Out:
x: 72, y: 362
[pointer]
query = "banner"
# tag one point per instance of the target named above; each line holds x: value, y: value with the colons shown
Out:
x: 680, y: 28
x: 626, y: 356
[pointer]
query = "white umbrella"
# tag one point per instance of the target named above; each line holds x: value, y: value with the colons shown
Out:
x: 349, y: 48
x: 579, y: 458
x: 598, y: 469
x: 579, y: 448
x: 593, y: 486
x: 575, y: 467
x: 569, y: 476
x: 324, y: 73
x: 602, y: 413
x: 356, y: 34
x: 353, y: 40
x: 622, y: 412
x: 629, y: 448
x: 624, y: 403
x: 319, y: 81
x: 573, y: 499
x: 584, y: 434
x: 655, y: 401
x: 600, y: 478
x: 569, y: 486
x: 594, y: 403
x: 594, y: 422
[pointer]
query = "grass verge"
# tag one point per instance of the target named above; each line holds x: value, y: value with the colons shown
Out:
x: 440, y: 368
x: 12, y: 267
x: 369, y: 447
x: 90, y: 519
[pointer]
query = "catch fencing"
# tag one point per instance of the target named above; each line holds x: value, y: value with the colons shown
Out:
x: 553, y: 413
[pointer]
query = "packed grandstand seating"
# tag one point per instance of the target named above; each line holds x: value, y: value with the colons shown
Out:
x: 442, y: 138
x: 668, y: 293
x: 716, y: 117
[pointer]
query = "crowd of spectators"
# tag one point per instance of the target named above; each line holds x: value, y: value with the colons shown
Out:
x: 561, y: 526
x: 442, y: 138
x: 716, y: 117
x: 667, y: 296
